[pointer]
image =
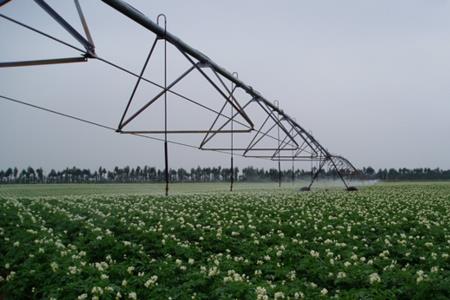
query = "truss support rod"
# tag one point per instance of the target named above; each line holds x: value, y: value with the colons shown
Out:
x: 84, y: 23
x: 168, y: 87
x: 277, y: 120
x: 42, y: 62
x: 338, y: 172
x: 224, y: 125
x: 283, y: 144
x: 215, y: 121
x: 197, y: 66
x: 138, y: 82
x: 180, y: 131
x: 252, y: 142
x: 233, y: 100
x: 86, y: 44
x: 316, y: 174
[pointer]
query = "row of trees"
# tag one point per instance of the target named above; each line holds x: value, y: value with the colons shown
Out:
x: 407, y: 174
x: 209, y: 174
x: 126, y: 174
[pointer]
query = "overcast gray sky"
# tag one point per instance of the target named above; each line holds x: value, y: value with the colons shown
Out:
x: 370, y: 79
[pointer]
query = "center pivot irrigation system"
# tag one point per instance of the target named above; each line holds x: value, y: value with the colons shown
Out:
x: 275, y: 136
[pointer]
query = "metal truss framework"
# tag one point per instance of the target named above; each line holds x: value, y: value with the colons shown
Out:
x: 291, y: 142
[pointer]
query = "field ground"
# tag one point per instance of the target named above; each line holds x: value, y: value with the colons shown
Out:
x: 33, y: 190
x: 112, y: 241
x: 38, y: 190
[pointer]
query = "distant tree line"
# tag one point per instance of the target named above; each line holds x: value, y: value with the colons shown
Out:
x: 404, y: 174
x: 199, y: 174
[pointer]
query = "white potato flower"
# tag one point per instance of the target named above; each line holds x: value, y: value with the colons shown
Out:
x: 314, y: 253
x: 374, y: 278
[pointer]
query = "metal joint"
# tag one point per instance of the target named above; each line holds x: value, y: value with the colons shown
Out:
x: 162, y: 36
x: 203, y: 64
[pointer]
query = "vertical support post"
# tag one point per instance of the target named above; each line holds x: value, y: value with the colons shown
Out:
x: 279, y: 172
x: 166, y: 150
x: 293, y: 169
x: 318, y: 173
x: 278, y: 138
x: 232, y: 140
x: 232, y: 158
x: 312, y: 173
x: 166, y: 170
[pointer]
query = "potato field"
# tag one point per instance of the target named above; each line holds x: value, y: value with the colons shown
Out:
x: 388, y: 241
